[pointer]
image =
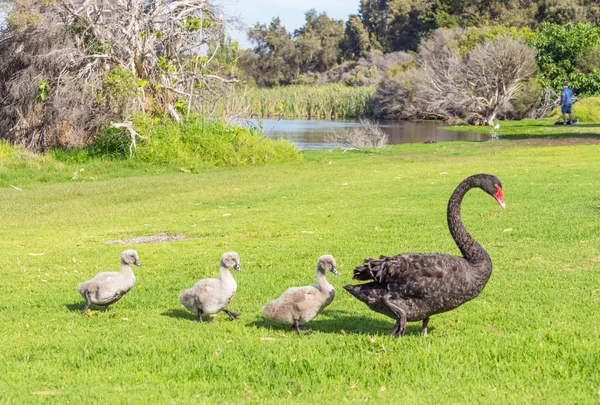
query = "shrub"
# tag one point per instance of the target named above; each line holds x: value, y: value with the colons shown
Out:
x: 560, y: 48
x: 367, y: 136
x: 477, y: 86
x: 589, y: 60
x: 586, y: 110
x: 200, y: 142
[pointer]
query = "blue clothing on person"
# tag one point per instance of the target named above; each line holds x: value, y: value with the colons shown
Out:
x: 568, y: 96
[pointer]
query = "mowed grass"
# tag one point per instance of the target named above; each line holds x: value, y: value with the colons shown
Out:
x: 537, y: 129
x: 532, y: 336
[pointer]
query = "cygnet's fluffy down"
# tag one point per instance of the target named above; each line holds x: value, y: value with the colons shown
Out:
x: 299, y: 305
x: 106, y: 288
x: 212, y: 295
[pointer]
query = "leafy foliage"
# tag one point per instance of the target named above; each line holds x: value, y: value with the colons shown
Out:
x: 560, y: 48
x: 102, y: 61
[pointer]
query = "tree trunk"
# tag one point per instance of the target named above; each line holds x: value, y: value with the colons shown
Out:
x: 490, y: 116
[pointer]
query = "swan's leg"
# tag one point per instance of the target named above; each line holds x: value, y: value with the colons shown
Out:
x: 200, y: 315
x: 231, y: 314
x: 296, y: 326
x: 424, y: 327
x: 86, y: 295
x: 400, y: 327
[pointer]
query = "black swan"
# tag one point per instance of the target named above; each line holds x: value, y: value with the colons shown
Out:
x: 412, y: 287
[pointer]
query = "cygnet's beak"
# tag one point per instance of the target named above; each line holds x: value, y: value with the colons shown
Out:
x: 334, y: 271
x: 137, y: 263
x: 237, y: 267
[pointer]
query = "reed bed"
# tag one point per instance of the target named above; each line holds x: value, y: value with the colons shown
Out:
x: 332, y: 101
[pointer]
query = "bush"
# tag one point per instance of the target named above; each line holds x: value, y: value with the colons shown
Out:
x: 589, y: 60
x: 193, y: 143
x: 201, y: 142
x: 478, y: 86
x: 586, y: 110
x: 560, y: 49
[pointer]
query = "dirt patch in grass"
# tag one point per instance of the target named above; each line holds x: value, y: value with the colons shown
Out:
x: 163, y: 237
x: 557, y: 141
x: 542, y: 142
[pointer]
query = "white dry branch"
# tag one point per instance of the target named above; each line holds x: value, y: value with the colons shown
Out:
x: 128, y: 125
x: 369, y: 135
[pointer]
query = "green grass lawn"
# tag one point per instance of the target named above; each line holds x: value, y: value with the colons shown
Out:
x: 537, y: 129
x: 532, y: 336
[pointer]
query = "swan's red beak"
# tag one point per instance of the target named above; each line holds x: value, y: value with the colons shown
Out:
x: 499, y: 197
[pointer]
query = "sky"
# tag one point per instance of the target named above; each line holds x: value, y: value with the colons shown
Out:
x: 291, y: 12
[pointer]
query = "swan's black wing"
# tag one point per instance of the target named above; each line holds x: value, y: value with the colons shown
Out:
x: 412, y: 275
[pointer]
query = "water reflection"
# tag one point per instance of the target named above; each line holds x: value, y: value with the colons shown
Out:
x: 315, y: 134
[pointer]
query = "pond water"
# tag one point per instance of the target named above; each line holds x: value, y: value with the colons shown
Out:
x: 316, y: 134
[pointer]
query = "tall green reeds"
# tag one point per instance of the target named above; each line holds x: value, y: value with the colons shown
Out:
x: 332, y: 101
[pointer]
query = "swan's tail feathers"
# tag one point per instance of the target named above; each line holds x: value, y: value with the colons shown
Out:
x: 371, y: 269
x: 367, y: 293
x: 188, y: 300
x: 352, y: 289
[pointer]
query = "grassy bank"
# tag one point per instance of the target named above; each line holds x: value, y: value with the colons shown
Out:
x: 191, y: 143
x: 535, y: 129
x: 532, y: 336
x: 332, y: 101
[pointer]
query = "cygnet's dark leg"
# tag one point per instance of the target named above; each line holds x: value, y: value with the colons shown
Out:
x: 200, y: 315
x: 400, y: 326
x: 86, y: 295
x: 231, y: 314
x: 424, y: 327
x: 296, y: 326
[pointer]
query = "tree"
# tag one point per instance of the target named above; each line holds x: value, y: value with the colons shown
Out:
x: 318, y: 42
x: 355, y: 43
x: 477, y: 86
x: 397, y: 25
x: 76, y: 64
x: 480, y: 85
x: 563, y: 56
x: 274, y: 59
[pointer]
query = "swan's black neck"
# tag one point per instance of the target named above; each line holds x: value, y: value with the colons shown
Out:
x: 471, y: 250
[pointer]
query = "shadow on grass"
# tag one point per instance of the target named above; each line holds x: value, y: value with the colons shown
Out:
x: 343, y: 322
x: 573, y: 137
x: 76, y: 306
x: 179, y: 313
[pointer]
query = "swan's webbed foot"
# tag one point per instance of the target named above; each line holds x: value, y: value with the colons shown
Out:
x: 86, y: 295
x: 232, y: 315
x: 400, y: 327
x: 424, y: 327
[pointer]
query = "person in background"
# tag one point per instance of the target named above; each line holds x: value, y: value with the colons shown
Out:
x: 566, y: 104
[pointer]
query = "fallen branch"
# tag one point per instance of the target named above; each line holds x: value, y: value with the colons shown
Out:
x: 128, y: 125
